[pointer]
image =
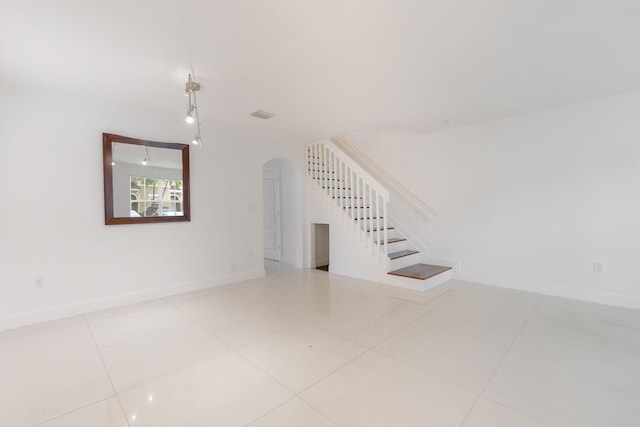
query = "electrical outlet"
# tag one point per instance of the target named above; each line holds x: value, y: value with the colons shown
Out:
x: 599, y: 267
x: 39, y: 283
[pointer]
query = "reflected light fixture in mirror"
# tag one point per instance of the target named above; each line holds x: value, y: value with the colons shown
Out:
x: 145, y: 181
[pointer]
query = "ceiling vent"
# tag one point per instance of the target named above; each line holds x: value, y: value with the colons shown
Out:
x: 262, y: 114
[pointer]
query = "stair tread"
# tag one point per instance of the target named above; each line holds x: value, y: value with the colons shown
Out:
x: 394, y: 240
x: 420, y: 271
x: 375, y: 217
x: 400, y: 254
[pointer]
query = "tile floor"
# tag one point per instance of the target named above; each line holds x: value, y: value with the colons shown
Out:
x: 306, y: 348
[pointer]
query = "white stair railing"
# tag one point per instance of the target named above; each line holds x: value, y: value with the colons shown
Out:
x: 362, y: 200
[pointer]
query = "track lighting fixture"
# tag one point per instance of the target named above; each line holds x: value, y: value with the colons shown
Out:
x: 190, y: 90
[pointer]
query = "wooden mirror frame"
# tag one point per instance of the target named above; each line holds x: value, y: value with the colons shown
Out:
x: 107, y: 155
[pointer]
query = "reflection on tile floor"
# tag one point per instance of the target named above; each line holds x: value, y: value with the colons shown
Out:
x: 310, y: 348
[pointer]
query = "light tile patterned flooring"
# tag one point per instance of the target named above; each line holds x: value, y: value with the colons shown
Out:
x: 306, y: 348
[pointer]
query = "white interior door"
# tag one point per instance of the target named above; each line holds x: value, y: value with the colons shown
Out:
x: 271, y: 195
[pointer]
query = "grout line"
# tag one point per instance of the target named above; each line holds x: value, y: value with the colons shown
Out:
x: 520, y: 412
x: 318, y: 411
x: 272, y: 410
x: 74, y: 410
x: 124, y: 414
x: 242, y: 356
x: 515, y: 338
x: 365, y: 349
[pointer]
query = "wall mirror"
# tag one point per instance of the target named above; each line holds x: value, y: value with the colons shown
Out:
x: 145, y: 181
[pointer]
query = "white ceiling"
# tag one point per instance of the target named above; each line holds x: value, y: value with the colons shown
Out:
x: 331, y: 66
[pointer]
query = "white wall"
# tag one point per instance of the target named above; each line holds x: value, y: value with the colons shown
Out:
x: 530, y: 202
x: 52, y: 217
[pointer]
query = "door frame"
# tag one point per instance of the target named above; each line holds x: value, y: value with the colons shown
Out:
x: 278, y: 209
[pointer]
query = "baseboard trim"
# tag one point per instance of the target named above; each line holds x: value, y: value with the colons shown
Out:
x: 68, y: 310
x: 588, y: 295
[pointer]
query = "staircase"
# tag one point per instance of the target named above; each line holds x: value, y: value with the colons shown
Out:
x: 363, y: 203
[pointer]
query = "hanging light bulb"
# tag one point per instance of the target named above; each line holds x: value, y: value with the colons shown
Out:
x: 196, y: 140
x: 190, y: 115
x: 147, y: 157
x: 113, y: 153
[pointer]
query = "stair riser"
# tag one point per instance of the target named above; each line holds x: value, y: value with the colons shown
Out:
x: 405, y: 261
x: 419, y: 285
x: 398, y: 246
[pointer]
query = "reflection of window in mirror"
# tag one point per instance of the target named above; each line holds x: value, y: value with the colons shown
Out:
x: 155, y: 196
x: 145, y: 181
